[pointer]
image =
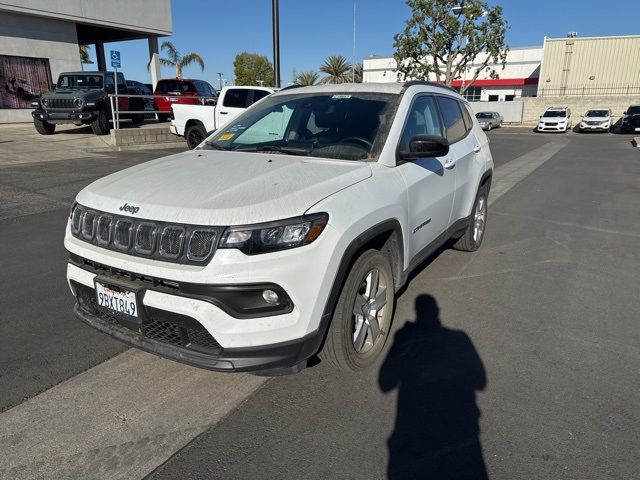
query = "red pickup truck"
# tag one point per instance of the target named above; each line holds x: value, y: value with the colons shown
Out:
x: 171, y: 91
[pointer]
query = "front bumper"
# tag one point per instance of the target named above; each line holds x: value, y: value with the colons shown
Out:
x: 542, y: 127
x: 585, y: 127
x: 272, y: 357
x: 64, y: 117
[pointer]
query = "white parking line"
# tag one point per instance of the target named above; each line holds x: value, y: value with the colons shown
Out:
x: 118, y: 420
x: 510, y: 174
x: 126, y: 416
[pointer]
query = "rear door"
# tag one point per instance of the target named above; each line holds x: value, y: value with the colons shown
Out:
x: 465, y: 147
x: 234, y: 102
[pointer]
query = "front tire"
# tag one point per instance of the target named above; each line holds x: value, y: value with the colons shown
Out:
x: 194, y: 135
x: 43, y: 127
x: 100, y: 125
x: 362, y: 317
x: 473, y: 236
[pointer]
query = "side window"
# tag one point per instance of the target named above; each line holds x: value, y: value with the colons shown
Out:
x: 259, y: 94
x: 452, y: 117
x: 109, y: 84
x: 236, y: 98
x: 121, y: 84
x: 468, y: 121
x: 422, y: 119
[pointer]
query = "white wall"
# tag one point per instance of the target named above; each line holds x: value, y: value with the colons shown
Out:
x: 28, y: 36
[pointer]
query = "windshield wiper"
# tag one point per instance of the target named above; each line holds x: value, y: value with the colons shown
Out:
x: 214, y: 145
x: 274, y: 148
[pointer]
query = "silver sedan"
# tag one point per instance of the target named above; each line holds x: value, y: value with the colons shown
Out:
x: 489, y: 120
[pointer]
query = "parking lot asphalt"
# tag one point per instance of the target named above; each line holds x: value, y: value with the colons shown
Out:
x: 532, y: 341
x: 521, y: 361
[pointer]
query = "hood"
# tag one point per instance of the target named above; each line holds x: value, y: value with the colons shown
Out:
x: 71, y: 93
x: 222, y: 188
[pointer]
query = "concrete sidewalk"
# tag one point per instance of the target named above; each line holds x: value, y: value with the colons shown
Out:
x: 20, y: 143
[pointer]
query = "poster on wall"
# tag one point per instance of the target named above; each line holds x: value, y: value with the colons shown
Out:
x: 22, y: 79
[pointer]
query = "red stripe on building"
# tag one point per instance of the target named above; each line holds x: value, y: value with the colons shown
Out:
x: 498, y: 82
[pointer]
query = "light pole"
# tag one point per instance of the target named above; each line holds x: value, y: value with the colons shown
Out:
x: 276, y: 43
x: 220, y: 80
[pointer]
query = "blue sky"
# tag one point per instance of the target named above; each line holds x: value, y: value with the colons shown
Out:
x: 312, y: 30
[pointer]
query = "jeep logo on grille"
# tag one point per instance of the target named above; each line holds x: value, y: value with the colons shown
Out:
x: 129, y: 208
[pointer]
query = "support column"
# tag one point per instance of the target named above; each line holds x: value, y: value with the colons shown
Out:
x: 100, y: 58
x: 154, y: 63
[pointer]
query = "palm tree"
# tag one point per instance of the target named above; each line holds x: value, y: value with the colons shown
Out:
x: 306, y: 78
x: 175, y: 59
x: 359, y: 72
x: 337, y: 68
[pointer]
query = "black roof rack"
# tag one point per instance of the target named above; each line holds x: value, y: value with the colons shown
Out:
x: 411, y: 83
x: 289, y: 87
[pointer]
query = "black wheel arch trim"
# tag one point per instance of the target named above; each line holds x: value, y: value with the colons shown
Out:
x: 349, y: 256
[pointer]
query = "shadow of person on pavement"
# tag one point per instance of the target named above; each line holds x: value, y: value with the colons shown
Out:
x: 437, y: 372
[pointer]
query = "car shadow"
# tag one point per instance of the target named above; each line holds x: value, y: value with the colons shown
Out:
x: 437, y: 372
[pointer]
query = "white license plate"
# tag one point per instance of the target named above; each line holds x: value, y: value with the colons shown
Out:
x: 121, y: 300
x: 637, y: 129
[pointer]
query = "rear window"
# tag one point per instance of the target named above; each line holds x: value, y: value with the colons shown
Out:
x: 633, y: 110
x: 174, y: 86
x: 258, y: 94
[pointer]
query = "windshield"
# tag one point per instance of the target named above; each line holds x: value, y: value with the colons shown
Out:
x: 633, y: 110
x: 597, y: 113
x: 80, y: 81
x: 346, y: 126
x: 554, y: 113
x: 484, y: 115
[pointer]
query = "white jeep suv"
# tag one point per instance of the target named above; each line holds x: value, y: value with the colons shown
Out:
x: 287, y: 232
x: 556, y: 119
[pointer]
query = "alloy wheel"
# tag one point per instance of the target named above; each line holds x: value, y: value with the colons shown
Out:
x: 369, y: 312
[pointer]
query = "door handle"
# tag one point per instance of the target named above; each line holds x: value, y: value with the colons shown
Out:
x: 476, y: 148
x: 223, y: 113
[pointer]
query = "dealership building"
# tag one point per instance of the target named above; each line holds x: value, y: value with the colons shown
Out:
x: 570, y: 66
x: 518, y: 78
x: 39, y: 39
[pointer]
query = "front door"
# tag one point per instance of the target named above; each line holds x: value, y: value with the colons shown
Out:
x: 430, y: 184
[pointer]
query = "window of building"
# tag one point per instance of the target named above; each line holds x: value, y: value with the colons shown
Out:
x: 494, y: 98
x: 473, y: 94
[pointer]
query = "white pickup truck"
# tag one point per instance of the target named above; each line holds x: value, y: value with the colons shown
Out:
x: 195, y: 122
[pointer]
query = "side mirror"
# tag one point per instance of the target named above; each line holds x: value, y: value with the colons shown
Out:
x: 422, y: 146
x: 624, y: 113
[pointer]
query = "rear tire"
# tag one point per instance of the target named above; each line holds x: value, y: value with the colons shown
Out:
x: 43, y: 127
x: 100, y: 125
x: 472, y: 238
x: 194, y: 135
x: 362, y: 317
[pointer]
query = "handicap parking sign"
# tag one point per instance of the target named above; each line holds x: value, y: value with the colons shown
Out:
x: 115, y: 59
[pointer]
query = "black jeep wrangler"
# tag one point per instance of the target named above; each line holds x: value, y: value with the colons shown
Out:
x: 82, y: 98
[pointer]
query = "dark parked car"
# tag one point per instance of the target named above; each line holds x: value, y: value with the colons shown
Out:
x: 631, y: 120
x: 181, y: 90
x: 489, y: 120
x: 142, y: 89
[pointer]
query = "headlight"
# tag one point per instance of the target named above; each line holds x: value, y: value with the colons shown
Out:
x: 274, y: 236
x: 45, y: 102
x: 78, y: 102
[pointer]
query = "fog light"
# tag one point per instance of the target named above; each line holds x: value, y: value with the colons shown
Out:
x: 270, y: 296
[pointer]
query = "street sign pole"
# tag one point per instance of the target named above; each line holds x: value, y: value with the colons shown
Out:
x: 115, y: 63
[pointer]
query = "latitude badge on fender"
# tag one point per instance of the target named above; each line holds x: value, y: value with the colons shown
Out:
x: 129, y: 208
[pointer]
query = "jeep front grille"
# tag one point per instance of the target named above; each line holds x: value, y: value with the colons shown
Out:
x: 60, y: 103
x: 192, y: 244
